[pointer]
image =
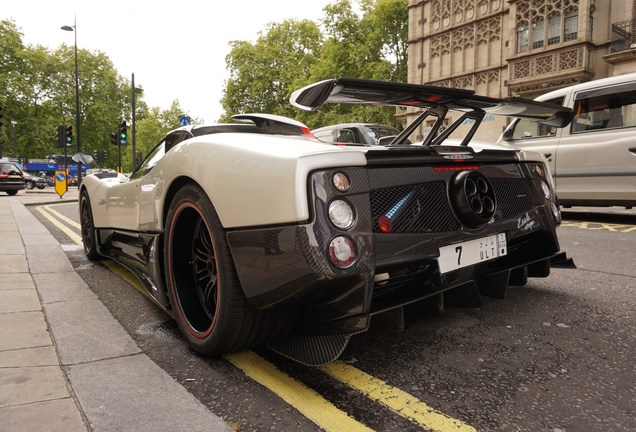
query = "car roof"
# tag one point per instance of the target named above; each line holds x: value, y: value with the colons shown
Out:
x: 609, y: 81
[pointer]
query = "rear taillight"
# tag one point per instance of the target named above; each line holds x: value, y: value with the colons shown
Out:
x: 3, y: 174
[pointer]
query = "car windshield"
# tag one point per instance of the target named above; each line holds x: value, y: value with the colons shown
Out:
x: 377, y: 132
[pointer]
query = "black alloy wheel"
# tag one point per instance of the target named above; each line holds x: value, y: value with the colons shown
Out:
x: 211, y: 310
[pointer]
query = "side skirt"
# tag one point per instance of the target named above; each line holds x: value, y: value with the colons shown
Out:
x: 140, y: 253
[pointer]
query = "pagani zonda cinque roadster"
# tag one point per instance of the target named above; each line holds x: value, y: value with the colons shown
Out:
x: 257, y: 233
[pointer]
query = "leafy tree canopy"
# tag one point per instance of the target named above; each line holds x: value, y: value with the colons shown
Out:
x: 37, y: 92
x: 360, y: 39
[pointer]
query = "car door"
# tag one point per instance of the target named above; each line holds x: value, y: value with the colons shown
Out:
x: 596, y: 157
x: 132, y: 205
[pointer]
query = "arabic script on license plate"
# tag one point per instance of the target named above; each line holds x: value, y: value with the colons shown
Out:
x: 471, y: 252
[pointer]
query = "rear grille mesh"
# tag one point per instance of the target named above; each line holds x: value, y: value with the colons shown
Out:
x: 513, y: 197
x: 425, y: 208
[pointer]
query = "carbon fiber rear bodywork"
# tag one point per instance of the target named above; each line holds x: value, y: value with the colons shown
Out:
x: 280, y: 265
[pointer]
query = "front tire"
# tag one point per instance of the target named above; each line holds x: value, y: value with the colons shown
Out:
x: 12, y: 192
x: 89, y: 238
x: 29, y: 185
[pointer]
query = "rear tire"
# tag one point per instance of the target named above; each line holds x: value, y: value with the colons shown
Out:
x: 89, y: 238
x: 210, y: 308
x: 12, y: 192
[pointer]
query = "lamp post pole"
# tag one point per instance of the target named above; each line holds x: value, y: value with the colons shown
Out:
x: 134, y: 155
x: 15, y: 143
x: 77, y: 101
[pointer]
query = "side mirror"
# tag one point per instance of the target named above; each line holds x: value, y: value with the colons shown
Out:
x: 83, y: 158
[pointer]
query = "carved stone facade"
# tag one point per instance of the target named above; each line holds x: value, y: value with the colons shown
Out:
x: 503, y: 48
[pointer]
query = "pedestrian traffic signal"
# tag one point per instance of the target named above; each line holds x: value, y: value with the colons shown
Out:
x: 68, y: 135
x: 113, y: 139
x: 123, y: 134
x: 61, y: 131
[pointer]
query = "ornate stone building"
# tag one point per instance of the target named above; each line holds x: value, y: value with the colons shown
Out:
x: 525, y: 48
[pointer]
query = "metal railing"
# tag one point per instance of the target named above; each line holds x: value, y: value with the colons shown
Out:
x: 623, y: 36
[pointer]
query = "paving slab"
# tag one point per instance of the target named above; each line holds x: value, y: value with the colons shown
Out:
x: 24, y: 385
x: 86, y: 331
x: 25, y: 357
x: 23, y: 330
x: 11, y: 242
x: 60, y: 415
x: 132, y: 385
x: 16, y: 281
x: 62, y: 286
x: 39, y: 239
x: 13, y: 264
x: 47, y: 258
x: 19, y: 301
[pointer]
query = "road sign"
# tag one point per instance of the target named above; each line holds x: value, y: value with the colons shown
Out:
x: 60, y: 183
x: 184, y: 120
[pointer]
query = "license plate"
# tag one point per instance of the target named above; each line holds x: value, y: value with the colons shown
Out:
x: 471, y: 252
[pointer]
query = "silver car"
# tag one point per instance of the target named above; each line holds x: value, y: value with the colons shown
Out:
x: 593, y: 161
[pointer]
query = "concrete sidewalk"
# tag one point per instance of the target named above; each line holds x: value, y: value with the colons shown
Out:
x: 65, y: 363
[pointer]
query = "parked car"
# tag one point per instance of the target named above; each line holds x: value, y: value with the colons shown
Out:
x: 355, y: 133
x: 33, y: 181
x: 11, y: 179
x: 593, y: 161
x: 261, y: 234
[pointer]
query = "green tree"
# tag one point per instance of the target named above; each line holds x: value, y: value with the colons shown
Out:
x: 37, y: 90
x: 263, y: 74
x: 367, y: 39
x: 155, y: 124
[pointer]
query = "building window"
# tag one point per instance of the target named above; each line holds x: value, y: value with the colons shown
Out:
x: 538, y: 33
x: 570, y: 25
x: 554, y: 29
x: 545, y: 23
x: 522, y: 37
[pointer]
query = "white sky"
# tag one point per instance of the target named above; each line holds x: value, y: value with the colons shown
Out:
x: 175, y: 49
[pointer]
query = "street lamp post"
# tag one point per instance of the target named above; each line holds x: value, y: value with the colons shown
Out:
x: 15, y: 142
x: 77, y: 103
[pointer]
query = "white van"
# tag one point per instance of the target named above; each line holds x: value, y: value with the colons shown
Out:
x: 593, y: 161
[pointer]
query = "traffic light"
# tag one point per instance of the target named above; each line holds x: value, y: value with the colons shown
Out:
x: 68, y: 135
x: 113, y: 139
x: 123, y: 134
x: 61, y: 131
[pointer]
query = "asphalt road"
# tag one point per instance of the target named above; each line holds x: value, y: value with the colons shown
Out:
x: 556, y: 355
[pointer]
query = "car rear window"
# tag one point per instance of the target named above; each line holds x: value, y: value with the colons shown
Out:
x: 9, y: 168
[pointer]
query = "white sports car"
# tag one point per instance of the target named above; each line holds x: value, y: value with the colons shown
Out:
x: 260, y: 234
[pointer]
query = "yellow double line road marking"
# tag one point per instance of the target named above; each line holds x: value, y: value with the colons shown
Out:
x: 307, y: 401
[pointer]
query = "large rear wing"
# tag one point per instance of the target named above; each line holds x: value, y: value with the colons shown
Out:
x: 436, y: 101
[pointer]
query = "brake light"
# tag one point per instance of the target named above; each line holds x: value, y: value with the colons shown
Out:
x: 3, y: 174
x: 457, y: 168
